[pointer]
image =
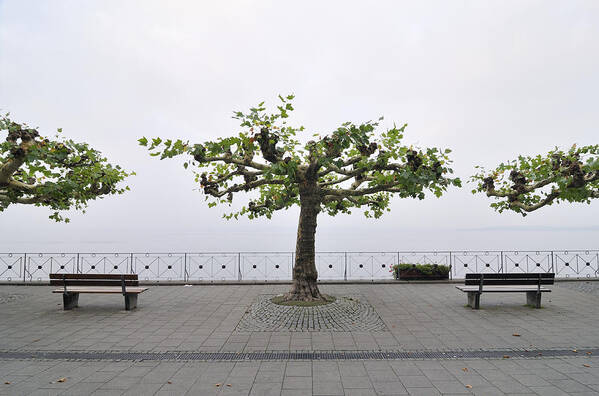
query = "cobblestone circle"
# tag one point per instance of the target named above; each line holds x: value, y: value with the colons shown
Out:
x: 351, y: 313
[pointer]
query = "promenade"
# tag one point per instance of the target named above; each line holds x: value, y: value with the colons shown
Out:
x: 387, y: 339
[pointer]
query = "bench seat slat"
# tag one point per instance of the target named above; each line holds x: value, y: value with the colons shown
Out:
x: 103, y: 290
x: 92, y: 282
x: 502, y: 289
x: 512, y: 281
x: 93, y: 276
x: 522, y: 275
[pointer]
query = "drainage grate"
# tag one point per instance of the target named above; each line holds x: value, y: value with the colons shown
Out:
x: 299, y: 355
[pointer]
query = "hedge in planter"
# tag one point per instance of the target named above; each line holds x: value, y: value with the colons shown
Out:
x: 420, y: 271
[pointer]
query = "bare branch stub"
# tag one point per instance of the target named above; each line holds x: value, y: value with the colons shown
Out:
x: 530, y: 183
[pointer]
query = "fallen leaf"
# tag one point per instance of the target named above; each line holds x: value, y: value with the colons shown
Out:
x: 469, y: 386
x: 169, y: 382
x: 589, y: 353
x: 586, y: 365
x: 516, y: 335
x: 7, y: 383
x: 36, y: 340
x: 465, y: 369
x: 229, y: 385
x: 540, y: 353
x: 61, y: 379
x: 217, y: 385
x: 506, y: 356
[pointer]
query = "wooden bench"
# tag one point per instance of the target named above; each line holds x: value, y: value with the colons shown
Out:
x: 476, y: 284
x: 74, y: 284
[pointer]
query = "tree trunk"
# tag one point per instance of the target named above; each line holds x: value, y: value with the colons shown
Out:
x: 305, y: 275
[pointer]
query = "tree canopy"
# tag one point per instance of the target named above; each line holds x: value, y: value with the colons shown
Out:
x: 529, y: 183
x: 56, y: 173
x: 352, y: 168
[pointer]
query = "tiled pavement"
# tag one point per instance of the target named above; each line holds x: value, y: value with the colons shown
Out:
x: 546, y: 376
x: 204, y: 318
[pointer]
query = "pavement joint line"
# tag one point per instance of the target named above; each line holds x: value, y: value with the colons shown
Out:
x: 300, y: 355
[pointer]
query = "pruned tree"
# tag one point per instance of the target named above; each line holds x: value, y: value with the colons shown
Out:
x: 529, y: 183
x: 55, y: 173
x: 349, y: 168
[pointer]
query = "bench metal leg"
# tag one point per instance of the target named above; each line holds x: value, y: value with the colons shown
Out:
x: 474, y: 300
x: 533, y: 299
x: 130, y: 301
x: 70, y: 300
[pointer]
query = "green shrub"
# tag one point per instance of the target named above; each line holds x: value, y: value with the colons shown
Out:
x: 423, y: 269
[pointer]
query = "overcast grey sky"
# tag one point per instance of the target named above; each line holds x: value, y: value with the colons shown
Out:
x: 488, y: 79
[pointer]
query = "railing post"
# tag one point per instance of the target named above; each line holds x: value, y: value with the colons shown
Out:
x: 552, y: 262
x: 345, y: 267
x: 77, y: 271
x: 450, y: 266
x: 24, y: 266
x: 239, y: 275
x: 185, y: 273
x: 131, y: 265
x: 502, y: 270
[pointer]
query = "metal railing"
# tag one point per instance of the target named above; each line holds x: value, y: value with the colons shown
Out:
x: 267, y: 266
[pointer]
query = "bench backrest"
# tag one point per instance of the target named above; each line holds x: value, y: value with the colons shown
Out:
x: 94, y: 279
x: 510, y: 279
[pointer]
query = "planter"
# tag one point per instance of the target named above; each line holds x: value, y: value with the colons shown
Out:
x: 420, y: 272
x: 417, y: 275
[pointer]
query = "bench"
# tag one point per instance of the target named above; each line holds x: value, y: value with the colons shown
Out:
x: 74, y: 284
x: 476, y: 284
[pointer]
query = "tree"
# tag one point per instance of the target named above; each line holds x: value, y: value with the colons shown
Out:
x: 59, y: 174
x: 529, y: 183
x: 347, y: 169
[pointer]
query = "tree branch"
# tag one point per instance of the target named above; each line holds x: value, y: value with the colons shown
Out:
x: 12, y: 165
x: 20, y: 185
x: 237, y: 161
x: 356, y: 193
x: 529, y: 208
x: 242, y: 187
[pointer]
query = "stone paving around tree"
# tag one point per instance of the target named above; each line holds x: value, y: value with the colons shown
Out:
x: 416, y: 317
x: 345, y: 314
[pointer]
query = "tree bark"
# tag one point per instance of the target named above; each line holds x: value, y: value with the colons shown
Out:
x: 305, y: 275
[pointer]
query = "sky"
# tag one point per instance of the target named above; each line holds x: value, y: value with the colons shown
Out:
x: 489, y: 79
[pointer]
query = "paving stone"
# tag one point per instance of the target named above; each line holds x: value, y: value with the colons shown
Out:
x: 266, y: 389
x: 327, y: 388
x: 423, y: 391
x: 297, y: 383
x: 415, y: 381
x: 389, y: 388
x: 360, y: 392
x: 298, y: 369
x: 450, y: 387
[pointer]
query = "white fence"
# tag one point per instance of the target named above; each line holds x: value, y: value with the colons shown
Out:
x: 266, y: 266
